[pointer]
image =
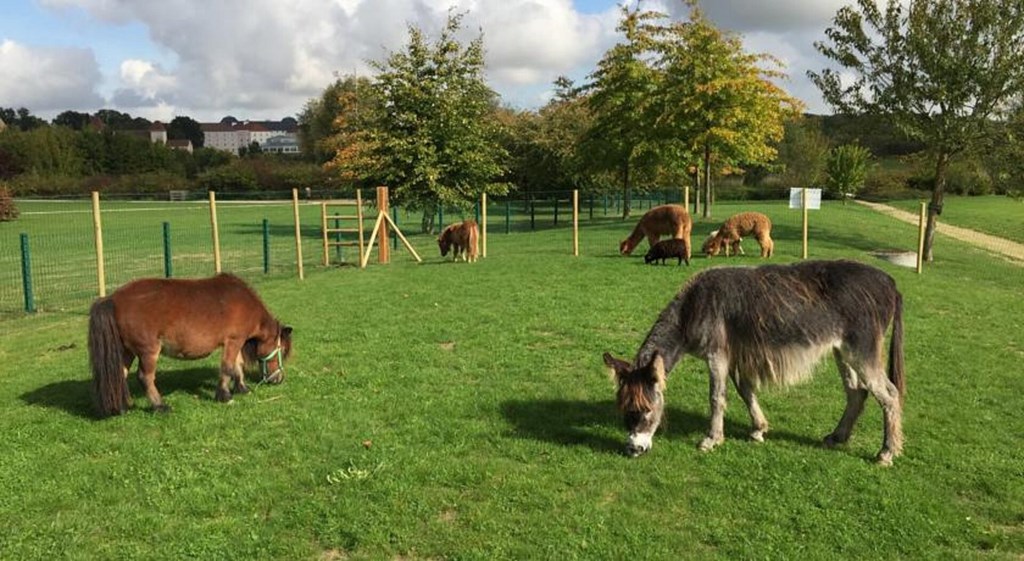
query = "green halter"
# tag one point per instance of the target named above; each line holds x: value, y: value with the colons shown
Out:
x: 266, y: 360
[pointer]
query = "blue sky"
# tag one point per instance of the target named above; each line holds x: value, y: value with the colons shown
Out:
x: 265, y: 58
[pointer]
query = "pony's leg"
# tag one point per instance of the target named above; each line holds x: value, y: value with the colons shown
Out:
x: 239, y: 376
x: 229, y: 371
x: 758, y: 422
x: 855, y: 397
x: 147, y: 377
x: 718, y: 369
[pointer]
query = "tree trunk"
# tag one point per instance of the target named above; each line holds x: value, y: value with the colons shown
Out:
x: 696, y: 190
x: 427, y: 221
x: 935, y: 207
x: 626, y: 191
x: 707, y: 181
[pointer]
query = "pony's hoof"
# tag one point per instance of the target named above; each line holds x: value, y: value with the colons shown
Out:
x: 240, y: 390
x: 223, y: 396
x: 162, y: 409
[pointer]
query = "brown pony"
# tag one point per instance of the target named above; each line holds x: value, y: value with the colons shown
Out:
x: 771, y: 325
x: 670, y: 220
x: 186, y: 319
x: 732, y: 231
x: 463, y: 238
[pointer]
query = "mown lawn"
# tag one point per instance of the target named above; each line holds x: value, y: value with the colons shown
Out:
x: 462, y: 411
x: 997, y: 215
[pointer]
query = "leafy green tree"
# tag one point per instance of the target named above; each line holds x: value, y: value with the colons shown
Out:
x: 72, y: 119
x: 621, y: 137
x: 21, y: 119
x: 335, y: 111
x: 116, y: 120
x: 803, y: 152
x: 186, y: 128
x: 845, y: 169
x: 432, y: 135
x: 721, y: 99
x: 940, y: 70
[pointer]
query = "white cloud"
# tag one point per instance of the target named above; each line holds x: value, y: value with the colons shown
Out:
x: 266, y: 58
x: 48, y: 78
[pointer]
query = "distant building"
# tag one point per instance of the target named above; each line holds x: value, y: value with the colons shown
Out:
x: 157, y: 132
x: 233, y: 136
x: 183, y: 144
x: 281, y: 144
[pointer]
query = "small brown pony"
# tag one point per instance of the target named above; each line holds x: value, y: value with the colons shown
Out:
x: 668, y: 220
x: 462, y: 238
x: 732, y: 231
x: 186, y: 319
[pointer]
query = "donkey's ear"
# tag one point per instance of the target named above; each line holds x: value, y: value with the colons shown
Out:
x: 658, y: 370
x: 616, y: 368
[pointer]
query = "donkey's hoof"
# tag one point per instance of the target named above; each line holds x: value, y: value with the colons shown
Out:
x: 831, y: 441
x: 758, y: 435
x: 708, y: 444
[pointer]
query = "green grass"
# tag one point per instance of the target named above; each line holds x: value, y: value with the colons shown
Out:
x: 996, y: 215
x: 490, y: 430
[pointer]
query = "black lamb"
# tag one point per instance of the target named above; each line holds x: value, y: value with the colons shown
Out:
x: 668, y: 248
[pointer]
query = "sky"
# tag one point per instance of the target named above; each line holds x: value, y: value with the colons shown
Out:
x: 264, y: 59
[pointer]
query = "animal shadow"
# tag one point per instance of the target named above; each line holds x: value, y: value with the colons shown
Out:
x: 586, y: 423
x: 75, y: 397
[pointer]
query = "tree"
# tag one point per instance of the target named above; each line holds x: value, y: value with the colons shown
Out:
x: 621, y: 137
x: 431, y: 135
x: 845, y: 169
x: 940, y: 70
x: 803, y: 152
x: 116, y: 120
x: 21, y: 119
x: 720, y: 99
x: 186, y: 128
x: 337, y: 110
x: 72, y: 119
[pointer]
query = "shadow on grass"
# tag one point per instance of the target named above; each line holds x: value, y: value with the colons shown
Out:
x: 583, y: 423
x: 75, y: 397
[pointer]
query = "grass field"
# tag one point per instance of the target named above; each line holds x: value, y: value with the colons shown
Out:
x: 462, y: 411
x: 996, y: 215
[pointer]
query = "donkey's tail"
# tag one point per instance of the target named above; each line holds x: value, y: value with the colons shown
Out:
x: 896, y: 367
x: 106, y: 354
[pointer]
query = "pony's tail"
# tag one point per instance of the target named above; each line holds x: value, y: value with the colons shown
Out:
x: 896, y: 367
x: 106, y: 354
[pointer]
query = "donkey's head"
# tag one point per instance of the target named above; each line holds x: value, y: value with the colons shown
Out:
x: 640, y: 398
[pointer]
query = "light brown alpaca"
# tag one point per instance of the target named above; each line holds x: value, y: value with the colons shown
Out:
x: 462, y: 238
x: 732, y: 231
x: 670, y: 220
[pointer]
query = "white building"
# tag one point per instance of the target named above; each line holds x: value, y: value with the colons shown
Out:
x: 233, y: 137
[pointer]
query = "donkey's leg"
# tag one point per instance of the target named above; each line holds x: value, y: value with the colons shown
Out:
x: 718, y: 369
x: 758, y: 423
x: 892, y: 413
x: 147, y: 377
x: 855, y: 396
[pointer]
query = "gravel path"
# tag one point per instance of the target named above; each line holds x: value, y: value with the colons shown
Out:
x: 1011, y: 250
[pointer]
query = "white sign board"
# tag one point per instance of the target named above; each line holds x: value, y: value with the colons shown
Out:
x: 813, y: 198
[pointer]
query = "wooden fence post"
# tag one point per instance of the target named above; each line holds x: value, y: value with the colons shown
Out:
x: 97, y: 227
x: 216, y: 233
x: 804, y: 204
x: 383, y: 248
x: 483, y: 224
x: 298, y: 233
